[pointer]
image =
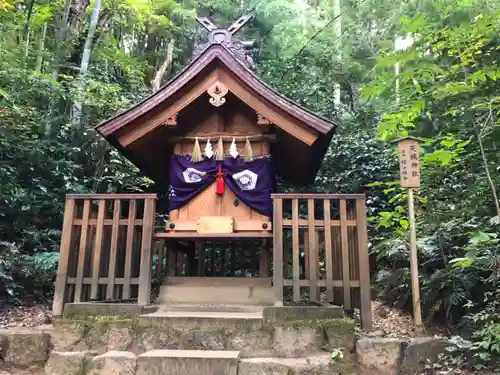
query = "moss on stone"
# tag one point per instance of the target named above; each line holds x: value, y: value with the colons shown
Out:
x: 139, y: 326
x: 144, y: 333
x: 346, y: 325
x: 86, y: 366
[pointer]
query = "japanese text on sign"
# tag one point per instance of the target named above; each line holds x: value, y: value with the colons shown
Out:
x: 409, y: 163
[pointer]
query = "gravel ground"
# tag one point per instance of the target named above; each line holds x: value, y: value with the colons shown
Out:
x: 391, y: 322
x: 25, y: 316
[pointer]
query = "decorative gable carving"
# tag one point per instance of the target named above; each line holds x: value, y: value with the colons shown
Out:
x: 172, y: 120
x: 262, y: 120
x: 217, y: 92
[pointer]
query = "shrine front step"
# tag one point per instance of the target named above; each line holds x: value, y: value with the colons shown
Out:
x: 188, y: 362
x: 217, y: 291
x: 210, y: 308
x: 209, y: 321
x: 232, y: 331
x: 192, y: 362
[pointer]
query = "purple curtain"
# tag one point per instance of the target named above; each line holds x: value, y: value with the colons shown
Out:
x: 251, y: 182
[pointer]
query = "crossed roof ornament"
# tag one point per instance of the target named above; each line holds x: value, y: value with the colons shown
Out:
x: 224, y: 36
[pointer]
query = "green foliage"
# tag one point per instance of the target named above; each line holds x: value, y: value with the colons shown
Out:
x: 42, y: 156
x: 486, y: 344
x: 482, y: 350
x: 8, y: 286
x: 336, y: 355
x: 446, y: 93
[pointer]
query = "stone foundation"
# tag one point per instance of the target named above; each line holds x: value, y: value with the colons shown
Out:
x: 248, y: 336
x: 393, y: 356
x: 231, y: 344
x: 86, y: 309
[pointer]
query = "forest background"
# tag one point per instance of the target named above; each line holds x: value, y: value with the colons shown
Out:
x: 66, y: 65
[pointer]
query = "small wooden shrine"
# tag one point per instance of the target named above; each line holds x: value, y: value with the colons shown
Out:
x: 215, y: 137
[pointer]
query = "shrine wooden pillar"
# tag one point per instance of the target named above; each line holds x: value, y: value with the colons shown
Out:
x: 264, y: 259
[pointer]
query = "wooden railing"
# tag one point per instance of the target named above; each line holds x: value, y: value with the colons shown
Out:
x: 321, y: 245
x: 106, y: 249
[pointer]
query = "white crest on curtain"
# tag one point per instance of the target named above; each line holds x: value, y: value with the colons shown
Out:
x: 192, y: 175
x: 246, y: 180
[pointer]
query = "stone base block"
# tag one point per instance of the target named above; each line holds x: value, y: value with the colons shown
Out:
x: 66, y: 363
x: 188, y: 362
x: 419, y: 352
x: 25, y: 349
x: 379, y: 355
x: 117, y: 363
x: 291, y: 313
x: 320, y: 364
x: 297, y: 342
x: 84, y: 309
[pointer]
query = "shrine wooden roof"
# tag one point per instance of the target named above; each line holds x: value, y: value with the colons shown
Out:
x: 302, y: 137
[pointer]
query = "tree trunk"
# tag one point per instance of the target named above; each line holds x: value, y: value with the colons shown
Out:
x: 150, y: 54
x: 165, y: 68
x: 337, y: 29
x: 487, y: 170
x: 27, y: 46
x: 84, y: 65
x: 61, y: 37
x: 39, y: 57
x: 29, y: 13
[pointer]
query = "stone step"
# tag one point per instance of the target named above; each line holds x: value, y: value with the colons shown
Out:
x: 234, y: 331
x: 194, y: 362
x: 246, y: 332
x: 188, y: 362
x: 317, y: 364
x: 254, y: 332
x: 239, y: 294
x: 218, y: 281
x: 195, y: 307
x: 203, y: 320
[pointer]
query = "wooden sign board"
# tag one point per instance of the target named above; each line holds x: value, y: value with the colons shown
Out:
x: 215, y: 224
x: 409, y: 162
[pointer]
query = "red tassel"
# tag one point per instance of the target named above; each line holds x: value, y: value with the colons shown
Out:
x: 219, y: 182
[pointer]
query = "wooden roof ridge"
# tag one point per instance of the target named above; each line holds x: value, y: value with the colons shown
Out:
x: 245, y: 75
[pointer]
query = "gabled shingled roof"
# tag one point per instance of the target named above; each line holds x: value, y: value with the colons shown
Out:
x: 215, y: 51
x: 253, y: 91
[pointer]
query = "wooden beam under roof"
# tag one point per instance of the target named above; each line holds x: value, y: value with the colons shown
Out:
x: 256, y: 102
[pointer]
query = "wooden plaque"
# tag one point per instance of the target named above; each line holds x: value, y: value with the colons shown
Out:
x: 215, y: 224
x: 409, y: 162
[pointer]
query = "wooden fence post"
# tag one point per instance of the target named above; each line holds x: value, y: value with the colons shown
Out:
x: 159, y: 247
x: 313, y: 252
x: 62, y: 271
x: 346, y: 277
x: 97, y: 249
x: 278, y: 251
x: 295, y: 250
x: 364, y: 266
x: 146, y: 254
x: 110, y: 291
x: 328, y: 250
x: 132, y: 212
x: 82, y: 250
